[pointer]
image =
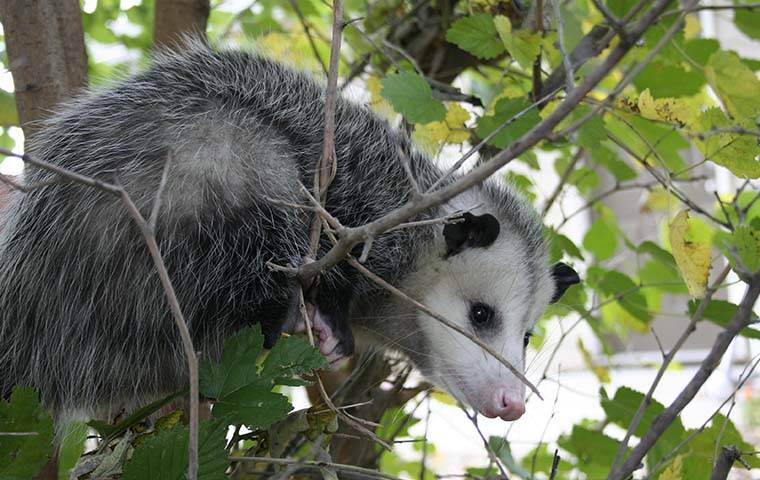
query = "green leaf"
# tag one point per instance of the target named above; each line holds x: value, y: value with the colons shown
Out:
x: 659, y: 145
x: 699, y: 50
x: 522, y: 184
x: 748, y: 22
x: 243, y: 391
x: 736, y: 152
x: 560, y: 245
x: 411, y: 96
x: 505, y: 111
x: 594, y: 450
x: 591, y: 134
x: 720, y: 312
x: 746, y: 241
x: 8, y: 114
x: 600, y: 240
x: 601, y: 372
x: 666, y: 277
x: 613, y: 163
x: 623, y: 406
x: 700, y: 452
x: 614, y: 284
x: 737, y: 86
x: 477, y: 35
x: 164, y: 455
x: 236, y: 386
x: 292, y: 356
x: 22, y: 457
x: 665, y: 80
x: 71, y: 448
x: 110, y: 432
x: 501, y: 448
x: 522, y: 45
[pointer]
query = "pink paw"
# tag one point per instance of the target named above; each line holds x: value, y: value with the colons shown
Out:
x: 325, y: 340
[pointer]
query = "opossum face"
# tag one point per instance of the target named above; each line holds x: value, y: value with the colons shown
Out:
x: 496, y: 291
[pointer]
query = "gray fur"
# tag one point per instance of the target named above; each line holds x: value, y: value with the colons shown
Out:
x: 82, y: 315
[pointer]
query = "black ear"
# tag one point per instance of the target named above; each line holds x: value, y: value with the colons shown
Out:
x: 563, y: 276
x: 473, y: 231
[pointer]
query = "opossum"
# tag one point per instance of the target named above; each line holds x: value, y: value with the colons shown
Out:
x: 83, y: 317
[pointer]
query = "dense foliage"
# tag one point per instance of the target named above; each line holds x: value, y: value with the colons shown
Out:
x: 676, y: 109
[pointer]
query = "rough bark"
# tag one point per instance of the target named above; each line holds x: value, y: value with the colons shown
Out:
x: 46, y: 55
x: 177, y: 17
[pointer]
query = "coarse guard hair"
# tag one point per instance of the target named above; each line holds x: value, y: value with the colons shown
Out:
x: 83, y: 317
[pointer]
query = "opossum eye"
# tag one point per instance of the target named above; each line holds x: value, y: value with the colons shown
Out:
x: 526, y: 339
x: 481, y: 315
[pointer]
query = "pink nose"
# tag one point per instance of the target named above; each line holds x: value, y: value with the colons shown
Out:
x: 505, y: 405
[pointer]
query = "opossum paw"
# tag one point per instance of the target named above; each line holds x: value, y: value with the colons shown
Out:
x: 325, y: 339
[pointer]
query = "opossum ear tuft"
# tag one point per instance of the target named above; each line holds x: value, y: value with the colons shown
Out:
x: 470, y: 232
x: 564, y: 276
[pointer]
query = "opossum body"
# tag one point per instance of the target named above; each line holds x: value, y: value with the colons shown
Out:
x: 83, y: 316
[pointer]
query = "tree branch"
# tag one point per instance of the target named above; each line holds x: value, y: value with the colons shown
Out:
x: 728, y: 455
x: 46, y: 55
x: 316, y: 465
x: 176, y: 17
x: 647, y: 400
x: 740, y: 320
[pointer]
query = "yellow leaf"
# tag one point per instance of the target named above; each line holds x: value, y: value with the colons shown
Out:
x: 443, y: 397
x: 377, y: 102
x: 456, y: 118
x: 671, y: 110
x: 674, y: 470
x: 658, y: 200
x: 601, y: 373
x: 692, y: 27
x: 692, y: 256
x: 430, y: 136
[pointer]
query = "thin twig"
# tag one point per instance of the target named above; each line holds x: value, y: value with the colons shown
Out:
x: 307, y: 30
x: 746, y: 374
x: 150, y: 240
x: 739, y: 320
x: 566, y: 61
x: 184, y: 332
x: 160, y: 193
x: 491, y: 454
x: 448, y: 323
x: 562, y: 181
x: 555, y: 465
x: 610, y: 19
x: 472, y: 151
x: 647, y: 400
x: 327, y: 163
x: 539, y: 132
x: 315, y: 465
x: 664, y: 40
x: 6, y: 179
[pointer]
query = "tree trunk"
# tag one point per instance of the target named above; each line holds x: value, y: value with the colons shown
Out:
x: 175, y: 17
x: 46, y: 55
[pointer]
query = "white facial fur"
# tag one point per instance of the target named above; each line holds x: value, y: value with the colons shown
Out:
x: 511, y: 275
x: 503, y: 276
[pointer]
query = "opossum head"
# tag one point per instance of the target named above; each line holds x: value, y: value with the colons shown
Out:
x: 490, y: 276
